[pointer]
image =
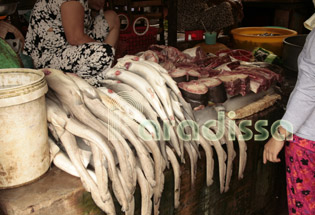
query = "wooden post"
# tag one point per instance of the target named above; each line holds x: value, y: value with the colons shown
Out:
x: 172, y: 23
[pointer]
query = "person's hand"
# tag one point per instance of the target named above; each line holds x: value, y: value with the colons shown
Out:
x: 272, y: 149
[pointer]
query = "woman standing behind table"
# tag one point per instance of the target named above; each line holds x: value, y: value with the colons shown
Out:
x: 299, y: 119
x: 66, y: 35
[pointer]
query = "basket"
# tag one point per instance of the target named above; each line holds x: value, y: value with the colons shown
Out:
x: 6, y: 27
x: 131, y: 43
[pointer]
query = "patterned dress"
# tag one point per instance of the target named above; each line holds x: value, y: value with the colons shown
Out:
x: 300, y: 164
x: 47, y: 45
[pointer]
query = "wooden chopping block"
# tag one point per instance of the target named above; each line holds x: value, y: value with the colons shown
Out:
x: 56, y: 192
x: 255, y: 107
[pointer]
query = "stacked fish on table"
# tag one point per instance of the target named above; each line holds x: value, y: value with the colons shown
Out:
x: 130, y: 130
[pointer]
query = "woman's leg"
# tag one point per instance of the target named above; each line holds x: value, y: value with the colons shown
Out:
x: 89, y: 61
x: 300, y: 164
x: 114, y: 27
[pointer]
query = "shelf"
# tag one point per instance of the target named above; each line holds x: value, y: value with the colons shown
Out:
x: 134, y: 9
x: 146, y: 3
x: 138, y: 3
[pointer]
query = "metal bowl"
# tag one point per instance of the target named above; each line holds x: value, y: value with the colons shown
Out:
x: 7, y: 7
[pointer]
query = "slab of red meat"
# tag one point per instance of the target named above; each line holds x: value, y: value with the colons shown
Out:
x: 217, y: 61
x: 260, y: 78
x: 239, y: 54
x: 235, y: 83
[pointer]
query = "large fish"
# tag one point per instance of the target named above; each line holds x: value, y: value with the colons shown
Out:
x: 62, y: 161
x: 141, y: 85
x: 137, y: 100
x: 159, y: 165
x: 146, y: 193
x: 152, y: 76
x: 242, y: 147
x: 130, y: 196
x: 177, y: 107
x: 148, y: 92
x: 177, y: 173
x: 59, y: 119
x: 172, y: 84
x: 133, y: 112
x: 100, y: 171
x: 99, y: 110
x: 193, y: 164
x: 220, y: 153
x: 209, y: 159
x: 128, y: 167
x: 231, y: 155
x: 132, y: 96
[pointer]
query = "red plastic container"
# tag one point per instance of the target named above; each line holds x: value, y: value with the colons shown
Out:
x: 194, y: 35
x: 133, y: 43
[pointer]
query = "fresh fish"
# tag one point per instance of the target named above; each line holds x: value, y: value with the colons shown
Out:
x: 209, y: 159
x: 71, y: 97
x: 69, y: 142
x: 133, y: 112
x: 177, y: 173
x: 58, y: 117
x: 181, y: 141
x: 221, y: 157
x: 172, y: 84
x: 100, y: 171
x: 146, y: 193
x: 242, y: 147
x: 157, y: 82
x: 174, y: 139
x: 231, y: 154
x: 53, y: 148
x: 234, y: 129
x: 135, y: 98
x: 99, y: 110
x: 192, y: 159
x: 128, y: 165
x: 158, y: 161
x: 177, y: 107
x: 141, y: 85
x: 127, y: 191
x: 132, y: 96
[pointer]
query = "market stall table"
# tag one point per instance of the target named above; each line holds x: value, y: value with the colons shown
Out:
x: 261, y: 191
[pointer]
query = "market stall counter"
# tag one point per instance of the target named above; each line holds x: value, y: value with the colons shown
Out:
x: 191, y: 166
x: 261, y: 191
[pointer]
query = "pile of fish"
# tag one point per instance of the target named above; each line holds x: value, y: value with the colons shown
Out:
x: 130, y: 131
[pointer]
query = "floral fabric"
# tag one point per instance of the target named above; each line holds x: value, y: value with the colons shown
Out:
x: 300, y: 164
x: 47, y: 45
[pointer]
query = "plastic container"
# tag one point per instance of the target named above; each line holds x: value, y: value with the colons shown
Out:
x: 132, y: 43
x: 250, y: 38
x: 194, y: 35
x: 292, y: 46
x: 24, y: 149
x: 210, y: 38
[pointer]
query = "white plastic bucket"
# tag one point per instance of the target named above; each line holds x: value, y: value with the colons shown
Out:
x: 24, y: 149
